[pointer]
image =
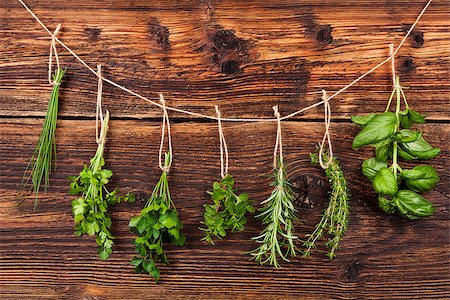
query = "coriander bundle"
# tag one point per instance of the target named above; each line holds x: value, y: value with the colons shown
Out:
x: 43, y: 160
x: 157, y: 223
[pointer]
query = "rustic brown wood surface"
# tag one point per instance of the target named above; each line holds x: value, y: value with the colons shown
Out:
x: 245, y: 56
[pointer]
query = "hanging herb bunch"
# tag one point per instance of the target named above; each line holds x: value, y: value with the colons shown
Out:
x: 158, y: 222
x: 229, y: 209
x: 43, y: 160
x: 277, y: 214
x: 90, y: 210
x: 334, y: 220
x: 398, y: 188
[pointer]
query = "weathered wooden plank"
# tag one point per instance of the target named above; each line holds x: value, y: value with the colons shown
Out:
x: 381, y: 256
x: 281, y: 52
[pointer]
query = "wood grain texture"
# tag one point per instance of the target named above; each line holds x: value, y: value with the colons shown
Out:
x: 245, y: 56
x: 231, y: 53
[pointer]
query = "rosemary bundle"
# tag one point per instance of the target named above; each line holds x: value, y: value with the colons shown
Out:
x: 278, y: 214
x: 157, y: 223
x: 227, y: 212
x: 335, y: 218
x: 44, y: 157
x: 90, y: 210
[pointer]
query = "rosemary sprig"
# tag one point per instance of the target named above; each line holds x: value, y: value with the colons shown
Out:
x: 44, y: 156
x: 157, y: 223
x: 90, y: 210
x: 278, y: 214
x: 335, y: 218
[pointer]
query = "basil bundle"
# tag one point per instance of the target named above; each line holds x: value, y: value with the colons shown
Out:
x: 390, y: 134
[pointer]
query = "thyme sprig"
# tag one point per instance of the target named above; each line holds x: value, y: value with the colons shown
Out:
x: 43, y: 160
x: 334, y: 220
x: 278, y: 214
x: 90, y: 210
x: 157, y: 223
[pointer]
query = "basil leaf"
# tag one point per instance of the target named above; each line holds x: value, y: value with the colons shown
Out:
x: 386, y: 205
x: 385, y: 182
x: 382, y: 153
x: 415, y: 117
x: 407, y: 136
x: 420, y: 149
x: 421, y: 178
x: 405, y: 155
x: 412, y: 206
x: 379, y: 128
x: 405, y: 121
x: 371, y: 166
x: 363, y: 120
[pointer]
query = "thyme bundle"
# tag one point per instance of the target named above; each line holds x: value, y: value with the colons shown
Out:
x: 335, y: 217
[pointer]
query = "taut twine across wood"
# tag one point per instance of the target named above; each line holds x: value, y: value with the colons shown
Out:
x: 50, y: 57
x: 229, y: 119
x: 165, y: 122
x: 223, y: 146
x: 326, y: 136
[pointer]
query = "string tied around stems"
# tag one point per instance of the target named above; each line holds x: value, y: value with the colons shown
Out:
x: 279, y: 142
x: 223, y: 146
x: 326, y: 135
x: 50, y: 57
x: 163, y: 166
x: 99, y: 112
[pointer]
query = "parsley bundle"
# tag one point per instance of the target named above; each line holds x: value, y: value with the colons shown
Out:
x: 44, y: 157
x: 278, y: 214
x: 335, y: 218
x: 157, y: 223
x: 398, y: 189
x: 90, y: 210
x: 227, y: 212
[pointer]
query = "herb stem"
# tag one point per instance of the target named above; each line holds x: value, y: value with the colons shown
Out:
x: 397, y: 112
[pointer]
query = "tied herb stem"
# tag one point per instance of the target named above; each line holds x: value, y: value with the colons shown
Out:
x: 90, y: 210
x: 43, y: 161
x: 334, y: 220
x: 157, y: 223
x: 278, y: 214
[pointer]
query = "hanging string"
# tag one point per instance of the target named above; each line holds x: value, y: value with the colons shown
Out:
x: 229, y: 119
x: 99, y: 113
x: 223, y: 146
x: 279, y: 142
x: 326, y: 136
x: 165, y: 122
x: 50, y: 57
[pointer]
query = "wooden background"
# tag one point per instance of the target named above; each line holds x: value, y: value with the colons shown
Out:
x: 245, y: 56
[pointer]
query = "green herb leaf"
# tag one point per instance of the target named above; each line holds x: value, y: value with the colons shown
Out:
x: 421, y: 178
x: 420, y: 149
x: 384, y: 182
x: 362, y: 120
x: 412, y: 206
x: 371, y: 166
x: 379, y: 128
x: 386, y: 205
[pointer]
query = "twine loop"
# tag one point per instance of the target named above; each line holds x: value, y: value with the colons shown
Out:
x: 165, y: 168
x: 50, y: 58
x: 223, y: 146
x: 279, y: 142
x: 326, y: 136
x: 99, y: 113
